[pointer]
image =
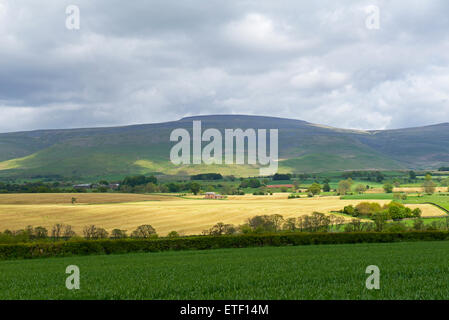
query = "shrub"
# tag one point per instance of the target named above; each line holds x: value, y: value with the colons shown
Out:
x: 396, y: 227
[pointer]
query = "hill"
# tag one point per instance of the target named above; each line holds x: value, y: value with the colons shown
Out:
x: 303, y: 147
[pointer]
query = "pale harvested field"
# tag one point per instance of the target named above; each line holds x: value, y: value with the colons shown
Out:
x: 81, y: 198
x: 418, y: 189
x: 187, y: 216
x: 406, y: 189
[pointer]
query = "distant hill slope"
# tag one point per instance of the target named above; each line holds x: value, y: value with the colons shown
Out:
x: 303, y: 147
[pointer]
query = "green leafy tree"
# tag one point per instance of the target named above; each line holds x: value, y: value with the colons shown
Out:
x: 118, y: 234
x: 344, y: 186
x: 315, y: 189
x: 173, y: 234
x: 195, y: 188
x: 388, y: 187
x: 429, y: 185
x: 360, y: 188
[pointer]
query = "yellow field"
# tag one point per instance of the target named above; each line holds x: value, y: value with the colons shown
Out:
x: 406, y: 189
x: 81, y: 198
x: 165, y: 213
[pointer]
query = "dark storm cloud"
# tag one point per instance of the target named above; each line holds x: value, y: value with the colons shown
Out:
x: 150, y: 61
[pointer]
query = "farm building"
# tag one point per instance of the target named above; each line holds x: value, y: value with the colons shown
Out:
x: 212, y: 195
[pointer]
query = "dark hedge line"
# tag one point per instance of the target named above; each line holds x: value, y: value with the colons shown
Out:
x: 87, y: 247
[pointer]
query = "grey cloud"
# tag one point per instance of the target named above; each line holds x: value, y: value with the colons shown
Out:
x: 150, y: 61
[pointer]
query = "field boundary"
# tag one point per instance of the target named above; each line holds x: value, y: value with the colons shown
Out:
x: 121, y: 246
x: 438, y: 206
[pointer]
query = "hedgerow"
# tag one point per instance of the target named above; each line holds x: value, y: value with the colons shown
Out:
x: 120, y: 246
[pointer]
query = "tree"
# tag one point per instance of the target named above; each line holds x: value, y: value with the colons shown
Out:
x: 344, y: 186
x: 101, y: 233
x: 396, y: 183
x: 417, y: 212
x: 40, y: 233
x: 315, y: 189
x: 68, y: 232
x: 277, y: 220
x: 138, y: 180
x: 418, y: 224
x: 282, y: 176
x: 445, y: 182
x: 73, y: 200
x: 90, y: 231
x: 412, y: 175
x: 326, y: 187
x: 388, y: 187
x: 151, y: 188
x: 252, y: 183
x: 118, y: 234
x: 173, y: 234
x: 221, y: 229
x: 429, y: 185
x: 290, y: 224
x: 56, y: 231
x: 144, y: 231
x: 380, y: 219
x: 195, y: 188
x: 360, y: 188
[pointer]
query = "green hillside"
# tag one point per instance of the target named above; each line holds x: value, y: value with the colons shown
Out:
x: 303, y: 147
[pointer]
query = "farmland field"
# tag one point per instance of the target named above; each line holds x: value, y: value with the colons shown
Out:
x: 165, y: 213
x: 413, y: 270
x: 81, y: 198
x: 439, y: 199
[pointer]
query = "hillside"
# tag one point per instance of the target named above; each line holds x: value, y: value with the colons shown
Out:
x: 303, y: 147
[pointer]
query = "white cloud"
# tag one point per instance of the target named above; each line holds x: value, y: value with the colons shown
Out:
x: 319, y: 79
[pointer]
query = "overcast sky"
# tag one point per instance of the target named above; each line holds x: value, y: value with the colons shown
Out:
x: 152, y: 61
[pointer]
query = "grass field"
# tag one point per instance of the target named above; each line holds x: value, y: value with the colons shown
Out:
x: 414, y: 270
x: 186, y: 216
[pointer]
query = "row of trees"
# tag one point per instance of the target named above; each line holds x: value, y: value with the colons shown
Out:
x: 316, y: 222
x: 66, y: 232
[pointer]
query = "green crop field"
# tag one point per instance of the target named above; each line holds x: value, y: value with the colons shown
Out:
x: 441, y: 200
x: 414, y: 270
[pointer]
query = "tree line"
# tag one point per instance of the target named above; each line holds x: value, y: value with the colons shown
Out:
x: 61, y: 231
